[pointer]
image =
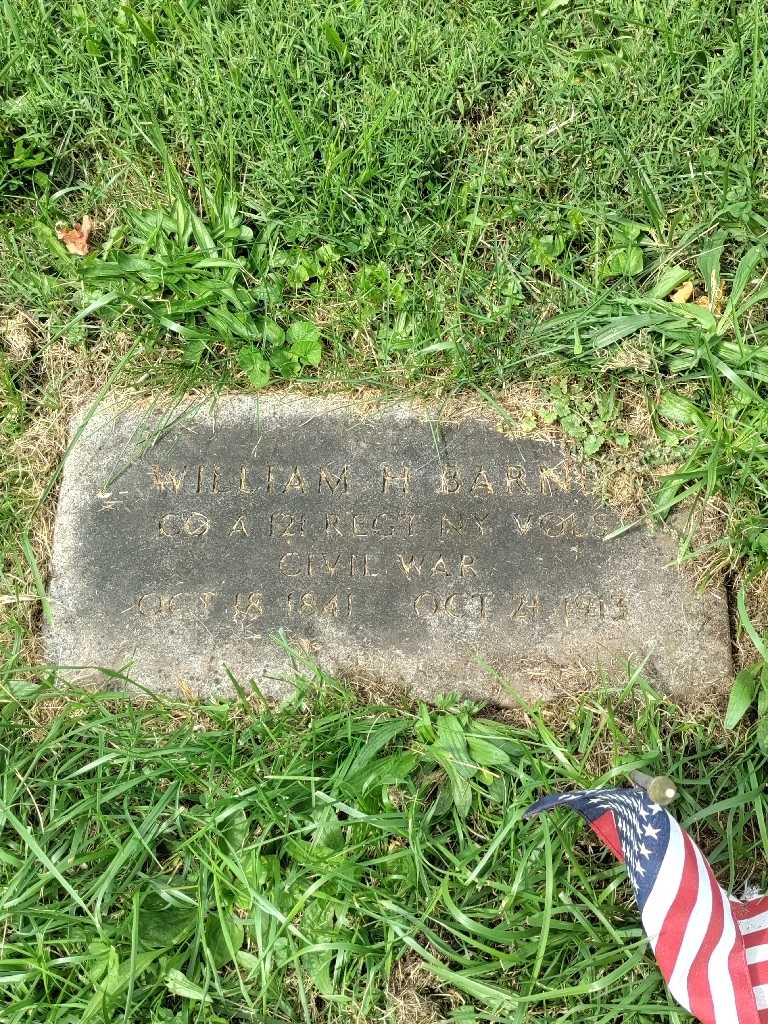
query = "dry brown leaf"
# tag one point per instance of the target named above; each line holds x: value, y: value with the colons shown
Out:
x: 683, y: 293
x: 76, y: 238
x: 716, y: 304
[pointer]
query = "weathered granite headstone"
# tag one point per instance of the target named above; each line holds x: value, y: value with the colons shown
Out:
x: 441, y: 556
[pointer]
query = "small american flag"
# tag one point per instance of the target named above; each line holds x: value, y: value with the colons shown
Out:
x: 712, y: 949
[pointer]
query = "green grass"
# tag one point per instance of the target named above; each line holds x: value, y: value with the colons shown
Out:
x: 409, y: 197
x: 332, y: 861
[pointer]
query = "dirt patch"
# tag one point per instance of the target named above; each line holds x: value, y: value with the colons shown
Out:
x: 415, y: 996
x: 56, y: 379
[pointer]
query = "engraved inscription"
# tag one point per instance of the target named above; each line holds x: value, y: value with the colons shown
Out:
x: 190, y: 524
x: 436, y: 564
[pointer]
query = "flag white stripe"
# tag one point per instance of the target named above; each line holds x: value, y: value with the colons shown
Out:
x: 761, y: 996
x: 695, y: 933
x: 720, y: 980
x: 747, y: 925
x: 757, y: 954
x: 664, y: 891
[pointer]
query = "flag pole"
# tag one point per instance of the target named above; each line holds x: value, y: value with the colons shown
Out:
x: 661, y: 789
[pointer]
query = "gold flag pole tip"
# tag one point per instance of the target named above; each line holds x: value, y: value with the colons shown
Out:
x: 661, y: 789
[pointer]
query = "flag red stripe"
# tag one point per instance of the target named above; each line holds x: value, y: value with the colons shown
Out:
x: 605, y: 829
x: 673, y: 929
x: 756, y: 938
x: 699, y: 992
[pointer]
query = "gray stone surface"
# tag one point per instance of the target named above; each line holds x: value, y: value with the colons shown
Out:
x: 440, y: 556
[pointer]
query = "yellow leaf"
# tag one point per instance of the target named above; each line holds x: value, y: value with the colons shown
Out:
x: 683, y: 293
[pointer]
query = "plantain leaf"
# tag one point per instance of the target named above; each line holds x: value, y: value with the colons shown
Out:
x: 742, y: 695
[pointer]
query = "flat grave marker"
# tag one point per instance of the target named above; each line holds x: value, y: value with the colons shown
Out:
x: 437, y: 555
